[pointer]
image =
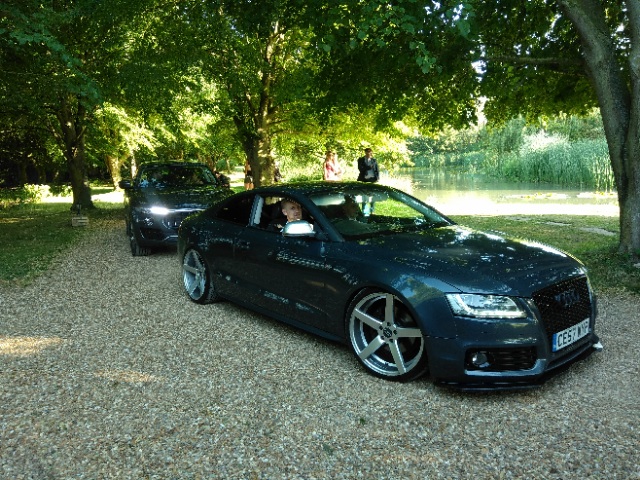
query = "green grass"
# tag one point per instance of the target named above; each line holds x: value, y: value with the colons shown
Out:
x: 32, y: 235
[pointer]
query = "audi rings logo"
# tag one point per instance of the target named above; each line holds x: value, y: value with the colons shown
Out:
x: 568, y: 298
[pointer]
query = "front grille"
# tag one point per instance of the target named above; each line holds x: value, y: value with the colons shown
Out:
x: 152, y: 234
x: 174, y: 220
x: 504, y: 359
x: 563, y: 305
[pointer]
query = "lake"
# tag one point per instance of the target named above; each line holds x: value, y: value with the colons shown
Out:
x: 466, y: 194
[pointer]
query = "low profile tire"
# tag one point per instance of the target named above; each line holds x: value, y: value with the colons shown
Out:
x: 136, y: 249
x: 196, y: 277
x: 385, y: 338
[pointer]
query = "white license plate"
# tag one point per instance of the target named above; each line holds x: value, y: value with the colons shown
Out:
x: 570, y: 335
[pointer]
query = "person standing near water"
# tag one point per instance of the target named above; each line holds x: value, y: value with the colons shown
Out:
x: 368, y: 167
x: 332, y: 171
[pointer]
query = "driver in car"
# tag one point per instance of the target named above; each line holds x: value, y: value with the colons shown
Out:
x: 292, y: 212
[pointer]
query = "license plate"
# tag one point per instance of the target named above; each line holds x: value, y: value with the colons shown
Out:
x: 570, y: 335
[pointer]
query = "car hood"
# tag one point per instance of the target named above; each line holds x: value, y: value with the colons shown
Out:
x: 480, y: 262
x: 196, y: 198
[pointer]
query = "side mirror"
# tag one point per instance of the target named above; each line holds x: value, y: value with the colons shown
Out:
x: 298, y: 228
x: 124, y: 184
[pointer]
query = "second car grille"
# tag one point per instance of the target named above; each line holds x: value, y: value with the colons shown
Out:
x: 563, y: 305
x: 174, y: 220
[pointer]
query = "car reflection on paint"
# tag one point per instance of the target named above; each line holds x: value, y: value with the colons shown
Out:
x: 160, y: 196
x: 409, y: 290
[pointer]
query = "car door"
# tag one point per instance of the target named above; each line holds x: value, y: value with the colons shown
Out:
x: 221, y: 236
x: 283, y: 275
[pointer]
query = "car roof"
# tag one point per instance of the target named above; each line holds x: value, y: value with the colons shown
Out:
x: 315, y: 187
x: 171, y: 163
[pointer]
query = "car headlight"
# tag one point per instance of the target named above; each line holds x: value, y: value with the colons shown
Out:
x: 484, y: 306
x: 159, y: 210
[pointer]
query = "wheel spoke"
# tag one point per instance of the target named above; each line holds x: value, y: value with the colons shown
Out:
x: 370, y: 349
x: 405, y: 332
x: 190, y: 269
x: 193, y: 273
x: 388, y: 309
x: 194, y: 283
x: 367, y: 319
x: 397, y: 357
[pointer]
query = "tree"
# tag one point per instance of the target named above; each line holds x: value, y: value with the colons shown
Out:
x: 62, y: 60
x: 257, y: 58
x: 537, y: 57
x: 568, y: 55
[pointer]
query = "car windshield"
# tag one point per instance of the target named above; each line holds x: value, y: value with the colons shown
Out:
x: 163, y: 176
x: 358, y: 212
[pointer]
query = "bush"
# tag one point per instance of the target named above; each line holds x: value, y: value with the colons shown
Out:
x: 554, y: 159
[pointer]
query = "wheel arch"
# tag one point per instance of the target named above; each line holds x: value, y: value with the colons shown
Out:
x: 425, y: 306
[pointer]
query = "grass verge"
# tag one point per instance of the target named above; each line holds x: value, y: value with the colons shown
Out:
x: 33, y: 234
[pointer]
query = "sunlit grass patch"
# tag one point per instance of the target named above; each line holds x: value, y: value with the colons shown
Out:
x: 33, y: 234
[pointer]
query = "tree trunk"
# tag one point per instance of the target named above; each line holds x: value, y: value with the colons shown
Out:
x: 619, y: 101
x: 256, y: 114
x: 71, y: 117
x: 113, y: 166
x: 257, y: 148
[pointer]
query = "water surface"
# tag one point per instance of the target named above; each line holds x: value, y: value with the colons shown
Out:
x: 460, y: 194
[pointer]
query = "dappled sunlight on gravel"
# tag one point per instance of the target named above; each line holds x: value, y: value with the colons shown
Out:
x: 107, y: 370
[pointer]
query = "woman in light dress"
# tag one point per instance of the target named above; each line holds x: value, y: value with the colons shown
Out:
x: 332, y: 171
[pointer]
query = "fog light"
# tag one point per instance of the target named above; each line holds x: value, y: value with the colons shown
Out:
x: 480, y: 359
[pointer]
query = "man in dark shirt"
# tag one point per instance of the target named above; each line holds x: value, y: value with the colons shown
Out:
x: 368, y: 167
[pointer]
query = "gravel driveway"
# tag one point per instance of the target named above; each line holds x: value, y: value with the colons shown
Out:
x: 108, y: 371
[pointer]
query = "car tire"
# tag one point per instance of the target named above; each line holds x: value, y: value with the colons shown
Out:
x: 196, y: 278
x: 136, y: 249
x: 385, y: 338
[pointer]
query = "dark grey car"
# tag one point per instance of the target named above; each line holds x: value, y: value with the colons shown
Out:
x: 408, y: 289
x: 160, y: 196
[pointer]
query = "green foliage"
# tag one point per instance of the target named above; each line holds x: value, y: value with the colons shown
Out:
x: 32, y: 194
x: 554, y: 160
x: 405, y: 58
x: 452, y: 149
x: 572, y: 152
x: 31, y: 237
x: 533, y: 67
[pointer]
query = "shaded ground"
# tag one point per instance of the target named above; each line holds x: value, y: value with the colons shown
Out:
x: 108, y: 371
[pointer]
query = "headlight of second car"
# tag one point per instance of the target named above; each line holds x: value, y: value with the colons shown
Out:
x: 484, y: 306
x: 159, y: 210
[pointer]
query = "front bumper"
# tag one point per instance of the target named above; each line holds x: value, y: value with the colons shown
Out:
x: 452, y: 370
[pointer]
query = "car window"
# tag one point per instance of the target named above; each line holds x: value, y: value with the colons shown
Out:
x: 237, y: 210
x: 268, y: 215
x: 166, y: 176
x: 357, y: 212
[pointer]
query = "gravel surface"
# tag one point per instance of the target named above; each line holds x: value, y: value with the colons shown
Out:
x: 107, y: 370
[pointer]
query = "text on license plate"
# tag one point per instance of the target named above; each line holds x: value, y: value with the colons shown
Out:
x: 570, y: 335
